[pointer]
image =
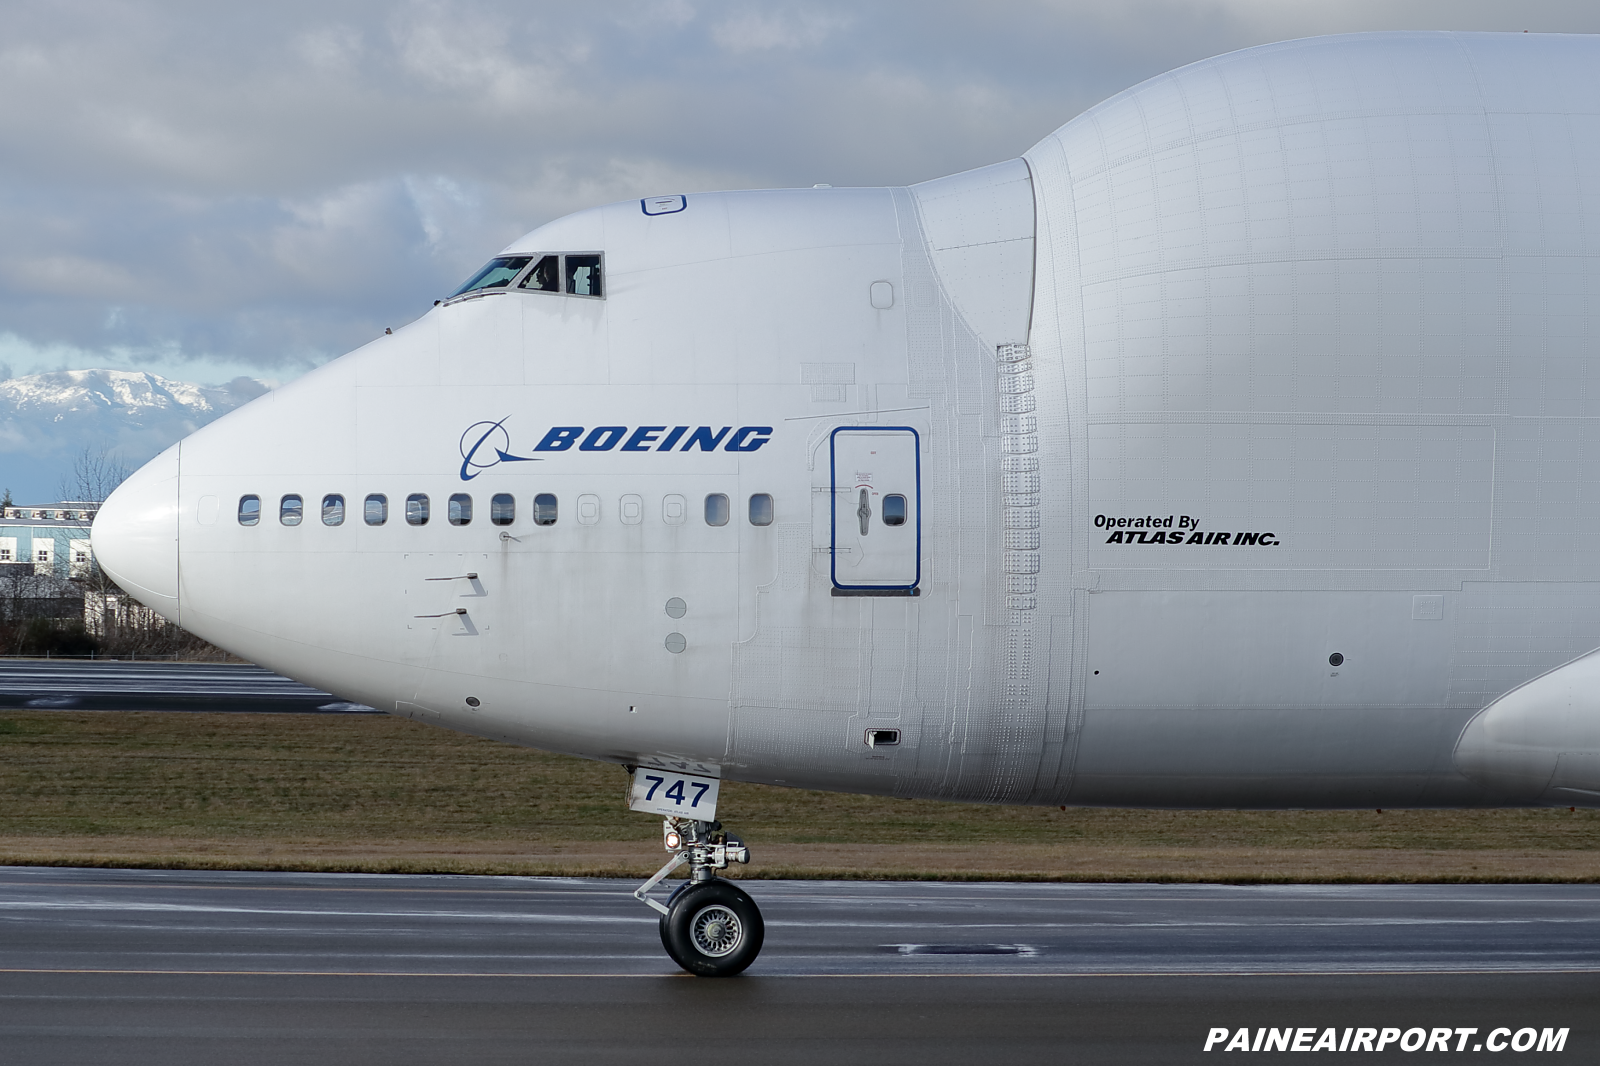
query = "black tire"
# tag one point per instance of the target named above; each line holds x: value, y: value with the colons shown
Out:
x: 712, y: 929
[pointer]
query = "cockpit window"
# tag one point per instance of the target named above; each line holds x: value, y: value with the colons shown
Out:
x: 497, y: 275
x: 583, y: 275
x: 545, y: 277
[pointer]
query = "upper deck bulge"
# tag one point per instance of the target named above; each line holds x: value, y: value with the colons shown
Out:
x: 1335, y: 224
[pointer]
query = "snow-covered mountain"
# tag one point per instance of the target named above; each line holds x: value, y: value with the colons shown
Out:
x: 47, y: 420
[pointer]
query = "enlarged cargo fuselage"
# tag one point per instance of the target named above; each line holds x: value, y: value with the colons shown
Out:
x: 1232, y: 447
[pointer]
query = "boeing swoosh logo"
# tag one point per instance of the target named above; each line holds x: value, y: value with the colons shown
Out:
x: 480, y: 434
x: 485, y: 438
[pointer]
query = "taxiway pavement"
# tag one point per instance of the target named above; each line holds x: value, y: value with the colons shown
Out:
x: 81, y: 685
x: 184, y: 966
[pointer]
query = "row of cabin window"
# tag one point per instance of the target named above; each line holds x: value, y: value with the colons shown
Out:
x: 502, y: 509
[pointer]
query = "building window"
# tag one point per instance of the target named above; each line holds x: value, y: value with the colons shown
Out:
x: 333, y: 510
x: 79, y: 559
x: 249, y: 510
x: 502, y: 509
x: 375, y: 512
x: 761, y: 509
x: 459, y: 512
x: 291, y: 509
x: 717, y: 509
x: 544, y: 509
x: 417, y: 509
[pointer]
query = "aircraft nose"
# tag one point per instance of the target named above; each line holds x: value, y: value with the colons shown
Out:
x: 1540, y: 743
x: 135, y: 534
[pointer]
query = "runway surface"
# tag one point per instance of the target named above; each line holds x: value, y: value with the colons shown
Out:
x: 151, y: 966
x: 80, y: 685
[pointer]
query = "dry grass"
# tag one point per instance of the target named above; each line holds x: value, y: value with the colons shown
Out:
x: 345, y: 792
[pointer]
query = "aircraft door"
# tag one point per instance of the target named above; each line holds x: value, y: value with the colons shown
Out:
x: 877, y: 510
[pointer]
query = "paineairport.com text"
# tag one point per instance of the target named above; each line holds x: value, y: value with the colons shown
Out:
x: 1387, y: 1038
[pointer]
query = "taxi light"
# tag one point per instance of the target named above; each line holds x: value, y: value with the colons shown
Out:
x: 673, y: 840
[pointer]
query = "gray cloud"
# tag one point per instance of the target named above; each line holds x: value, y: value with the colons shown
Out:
x: 213, y: 190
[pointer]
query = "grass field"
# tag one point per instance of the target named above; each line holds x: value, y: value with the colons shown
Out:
x: 370, y: 792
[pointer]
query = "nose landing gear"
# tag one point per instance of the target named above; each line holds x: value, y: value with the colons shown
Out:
x: 710, y: 927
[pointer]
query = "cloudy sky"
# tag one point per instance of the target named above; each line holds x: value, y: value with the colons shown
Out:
x: 206, y: 190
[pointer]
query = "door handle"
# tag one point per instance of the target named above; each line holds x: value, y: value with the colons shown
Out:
x: 864, y: 512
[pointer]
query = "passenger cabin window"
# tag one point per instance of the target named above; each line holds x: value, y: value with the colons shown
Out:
x: 375, y: 512
x: 502, y: 509
x: 544, y: 509
x: 894, y: 510
x: 717, y: 509
x: 497, y: 275
x: 545, y: 276
x: 583, y: 275
x: 333, y: 510
x: 417, y: 509
x: 761, y: 509
x: 249, y: 510
x: 291, y: 509
x: 460, y: 510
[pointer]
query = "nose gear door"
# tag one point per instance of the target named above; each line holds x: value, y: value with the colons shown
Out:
x: 876, y: 542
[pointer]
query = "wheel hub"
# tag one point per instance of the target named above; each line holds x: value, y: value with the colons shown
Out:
x: 716, y: 931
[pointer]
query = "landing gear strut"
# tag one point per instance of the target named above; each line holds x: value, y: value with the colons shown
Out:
x: 710, y: 927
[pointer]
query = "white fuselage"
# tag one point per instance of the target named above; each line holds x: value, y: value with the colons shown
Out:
x: 1233, y: 447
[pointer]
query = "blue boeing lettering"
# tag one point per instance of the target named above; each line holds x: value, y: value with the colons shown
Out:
x: 738, y: 442
x: 559, y: 439
x: 703, y: 437
x: 488, y: 444
x: 642, y: 436
x: 602, y: 438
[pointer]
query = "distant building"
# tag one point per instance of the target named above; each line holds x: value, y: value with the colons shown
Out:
x: 55, y: 539
x: 104, y: 613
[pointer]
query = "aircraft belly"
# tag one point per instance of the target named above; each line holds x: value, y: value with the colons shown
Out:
x: 1372, y: 756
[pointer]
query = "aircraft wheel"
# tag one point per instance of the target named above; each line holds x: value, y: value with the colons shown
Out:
x: 712, y: 929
